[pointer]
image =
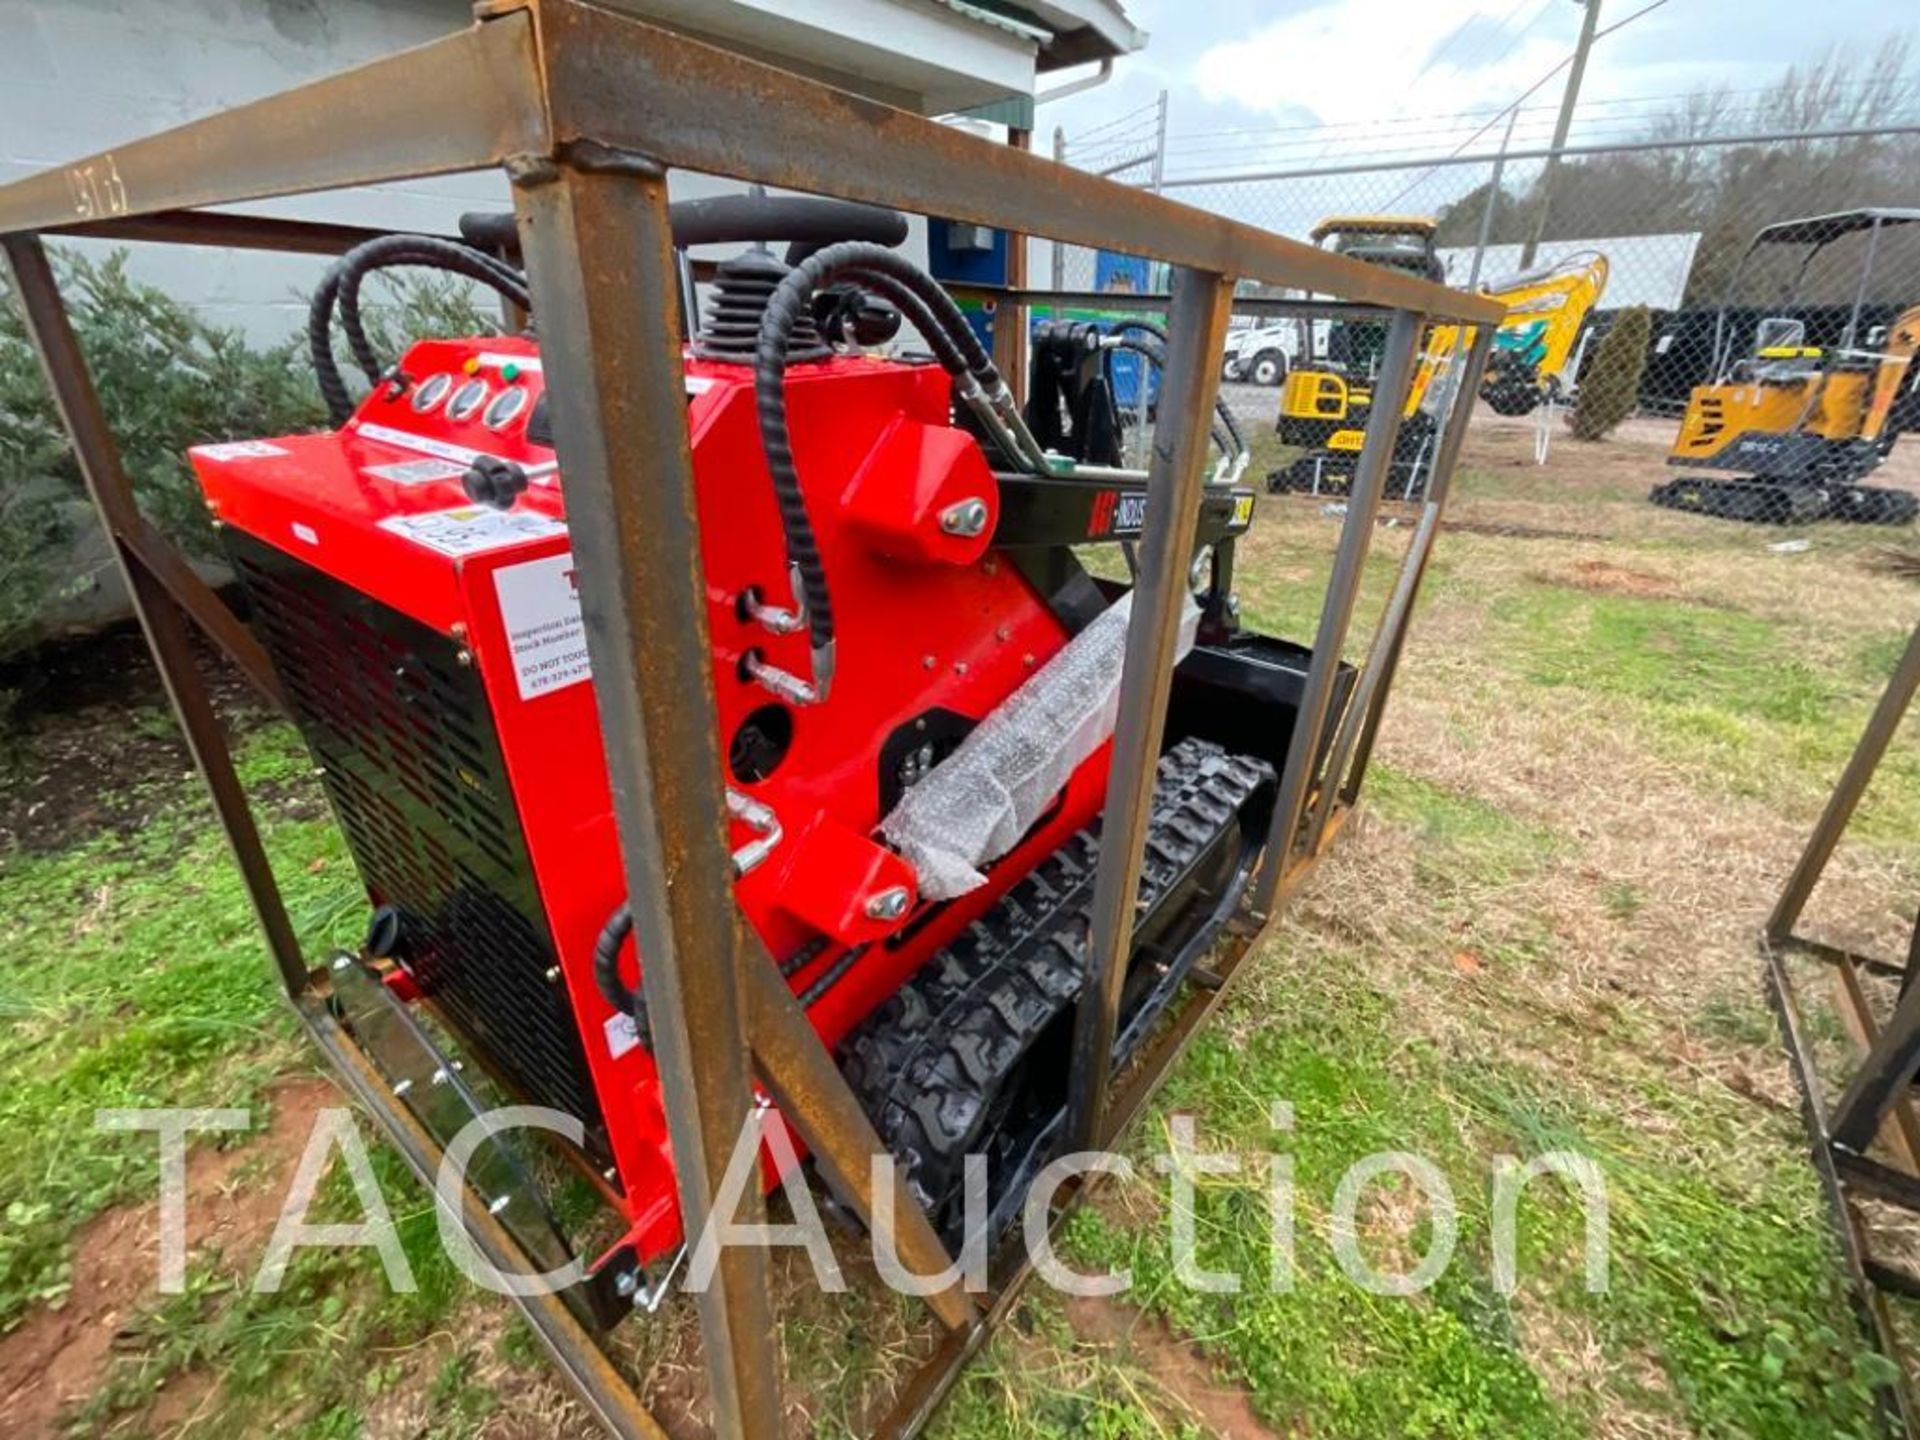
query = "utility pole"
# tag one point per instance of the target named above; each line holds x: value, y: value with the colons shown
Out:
x: 1588, y: 24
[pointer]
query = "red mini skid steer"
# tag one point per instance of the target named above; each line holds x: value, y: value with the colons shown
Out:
x: 915, y: 682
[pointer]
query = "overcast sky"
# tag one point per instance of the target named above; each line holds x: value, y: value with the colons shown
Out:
x: 1293, y: 63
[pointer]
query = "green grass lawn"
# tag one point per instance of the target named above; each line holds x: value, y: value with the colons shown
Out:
x: 1536, y: 937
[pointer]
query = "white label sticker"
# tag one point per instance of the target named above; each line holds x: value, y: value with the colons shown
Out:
x: 698, y: 384
x: 424, y: 444
x: 622, y: 1035
x: 471, y: 529
x: 306, y: 533
x: 540, y: 606
x: 417, y: 472
x: 495, y: 359
x: 238, y: 450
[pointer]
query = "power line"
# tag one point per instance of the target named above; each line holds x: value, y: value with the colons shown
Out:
x: 1414, y: 147
x: 1461, y: 29
x: 1150, y: 109
x: 1529, y: 91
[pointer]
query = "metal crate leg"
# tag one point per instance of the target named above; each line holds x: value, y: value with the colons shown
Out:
x: 600, y: 257
x: 1197, y: 326
x: 1336, y: 614
x: 161, y: 618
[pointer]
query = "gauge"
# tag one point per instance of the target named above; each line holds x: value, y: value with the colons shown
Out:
x: 466, y: 400
x: 505, y: 408
x: 431, y: 392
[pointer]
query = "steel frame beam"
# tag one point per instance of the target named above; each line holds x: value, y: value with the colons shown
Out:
x: 1877, y: 1102
x: 585, y: 110
x: 1298, y: 778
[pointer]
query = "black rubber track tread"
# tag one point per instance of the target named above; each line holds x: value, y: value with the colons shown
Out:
x: 928, y: 1062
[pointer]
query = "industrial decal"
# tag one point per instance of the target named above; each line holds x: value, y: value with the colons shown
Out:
x: 1117, y: 513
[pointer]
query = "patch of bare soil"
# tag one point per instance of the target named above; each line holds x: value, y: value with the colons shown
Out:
x: 1222, y: 1410
x: 58, y: 1357
x: 1606, y: 578
x: 87, y: 741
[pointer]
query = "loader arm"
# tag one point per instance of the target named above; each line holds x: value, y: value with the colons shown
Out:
x: 1892, y: 380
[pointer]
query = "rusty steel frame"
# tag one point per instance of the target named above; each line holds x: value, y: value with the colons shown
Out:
x: 586, y: 109
x: 1876, y: 1105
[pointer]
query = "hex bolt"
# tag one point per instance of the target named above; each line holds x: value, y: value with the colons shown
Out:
x: 965, y: 518
x: 889, y: 904
x: 553, y: 974
x: 625, y: 1284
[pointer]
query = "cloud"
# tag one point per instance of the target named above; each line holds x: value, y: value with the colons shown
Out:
x: 1351, y: 60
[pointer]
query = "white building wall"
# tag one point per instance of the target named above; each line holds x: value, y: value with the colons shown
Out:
x: 79, y: 76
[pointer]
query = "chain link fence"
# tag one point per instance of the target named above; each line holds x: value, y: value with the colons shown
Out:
x: 1681, y: 225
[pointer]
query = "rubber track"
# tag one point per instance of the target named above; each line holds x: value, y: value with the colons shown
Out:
x: 928, y: 1062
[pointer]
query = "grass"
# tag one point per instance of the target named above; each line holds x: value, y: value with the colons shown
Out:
x: 137, y: 982
x: 1611, y: 732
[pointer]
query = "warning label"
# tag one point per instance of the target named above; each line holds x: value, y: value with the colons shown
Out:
x: 540, y: 607
x: 471, y: 529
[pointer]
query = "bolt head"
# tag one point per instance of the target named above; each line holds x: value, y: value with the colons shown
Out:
x: 965, y: 518
x: 625, y: 1284
x: 889, y: 904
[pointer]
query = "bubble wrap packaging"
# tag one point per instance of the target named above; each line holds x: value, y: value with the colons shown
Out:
x: 975, y: 805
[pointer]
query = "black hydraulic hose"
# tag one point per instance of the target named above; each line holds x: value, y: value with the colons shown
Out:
x: 1159, y: 332
x: 632, y: 1000
x: 502, y: 278
x: 346, y: 273
x: 789, y: 301
x: 1157, y: 358
x: 606, y: 967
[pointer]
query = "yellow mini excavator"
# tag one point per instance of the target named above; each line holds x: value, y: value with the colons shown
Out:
x: 1800, y: 425
x: 1324, y: 407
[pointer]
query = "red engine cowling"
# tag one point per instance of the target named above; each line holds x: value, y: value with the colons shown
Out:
x: 434, y: 653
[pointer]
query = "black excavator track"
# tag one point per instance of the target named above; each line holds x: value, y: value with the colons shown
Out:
x: 970, y: 1055
x: 1783, y: 502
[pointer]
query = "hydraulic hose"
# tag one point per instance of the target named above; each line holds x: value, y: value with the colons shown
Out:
x: 936, y: 316
x: 632, y: 1000
x: 1157, y: 358
x: 502, y: 278
x: 345, y: 276
x: 1160, y: 333
x: 606, y: 967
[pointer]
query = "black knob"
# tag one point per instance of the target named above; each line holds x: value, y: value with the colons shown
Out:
x: 493, y: 481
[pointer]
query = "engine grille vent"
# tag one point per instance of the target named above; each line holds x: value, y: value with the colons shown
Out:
x: 413, y: 768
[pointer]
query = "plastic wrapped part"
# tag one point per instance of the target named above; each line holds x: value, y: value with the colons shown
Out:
x: 975, y: 805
